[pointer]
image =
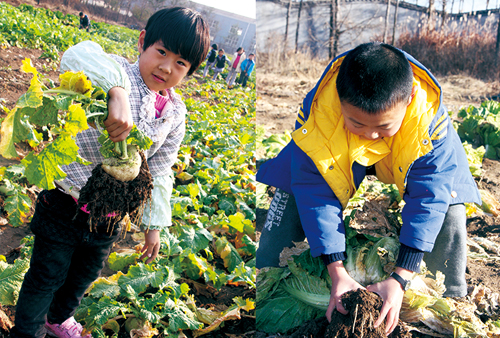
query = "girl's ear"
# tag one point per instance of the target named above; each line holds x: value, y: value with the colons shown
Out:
x: 140, y: 42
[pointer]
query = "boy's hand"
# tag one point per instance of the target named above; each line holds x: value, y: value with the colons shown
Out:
x: 152, y: 245
x: 341, y: 283
x: 392, y: 293
x: 119, y: 121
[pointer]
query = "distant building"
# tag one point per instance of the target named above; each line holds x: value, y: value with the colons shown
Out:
x: 228, y: 30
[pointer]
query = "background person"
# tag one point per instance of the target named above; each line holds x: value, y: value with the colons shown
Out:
x: 84, y: 21
x: 238, y: 58
x: 210, y: 59
x: 220, y: 63
x: 246, y: 69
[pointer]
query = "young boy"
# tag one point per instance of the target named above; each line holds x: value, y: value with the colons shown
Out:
x: 246, y: 70
x: 84, y: 21
x: 220, y: 63
x: 210, y: 59
x: 238, y: 58
x: 375, y: 110
x: 67, y: 257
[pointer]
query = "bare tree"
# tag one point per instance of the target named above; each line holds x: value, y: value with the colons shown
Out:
x: 386, y: 24
x: 497, y: 47
x: 176, y: 3
x: 395, y: 23
x: 334, y: 29
x: 286, y: 26
x: 445, y: 15
x: 156, y: 4
x: 297, y: 29
x: 430, y: 15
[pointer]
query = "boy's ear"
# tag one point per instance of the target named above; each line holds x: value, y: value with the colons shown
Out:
x: 413, y: 93
x: 140, y: 42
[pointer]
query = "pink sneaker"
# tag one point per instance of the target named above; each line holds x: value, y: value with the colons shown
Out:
x: 69, y: 329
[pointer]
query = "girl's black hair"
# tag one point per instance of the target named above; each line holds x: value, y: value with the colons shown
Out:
x: 239, y: 49
x: 182, y: 31
x: 374, y: 77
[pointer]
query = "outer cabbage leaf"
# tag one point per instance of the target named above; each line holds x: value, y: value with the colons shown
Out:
x: 11, y: 279
x: 299, y: 297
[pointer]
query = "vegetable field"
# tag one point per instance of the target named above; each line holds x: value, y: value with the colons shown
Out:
x: 203, y: 281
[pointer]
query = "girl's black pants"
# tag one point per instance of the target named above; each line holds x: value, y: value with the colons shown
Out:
x: 67, y: 257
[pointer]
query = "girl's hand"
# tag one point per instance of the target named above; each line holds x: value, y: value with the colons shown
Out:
x: 392, y: 293
x: 341, y: 283
x: 119, y: 121
x: 152, y: 245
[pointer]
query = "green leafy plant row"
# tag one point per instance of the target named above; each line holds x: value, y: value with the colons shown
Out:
x: 53, y: 32
x: 481, y: 127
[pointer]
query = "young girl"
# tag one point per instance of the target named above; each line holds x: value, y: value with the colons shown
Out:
x: 67, y: 257
x: 238, y: 58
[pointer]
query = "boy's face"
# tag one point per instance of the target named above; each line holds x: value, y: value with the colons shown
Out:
x: 221, y: 53
x: 251, y: 57
x: 375, y: 126
x: 160, y: 68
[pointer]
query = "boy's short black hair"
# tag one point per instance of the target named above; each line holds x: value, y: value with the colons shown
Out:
x: 374, y: 77
x: 81, y: 13
x: 221, y: 50
x: 251, y: 54
x: 182, y: 31
x: 214, y: 46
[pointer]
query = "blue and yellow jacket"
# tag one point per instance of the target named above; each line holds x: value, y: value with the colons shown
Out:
x: 324, y: 164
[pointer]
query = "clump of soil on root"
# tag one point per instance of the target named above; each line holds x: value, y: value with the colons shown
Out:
x: 104, y: 195
x: 364, y: 309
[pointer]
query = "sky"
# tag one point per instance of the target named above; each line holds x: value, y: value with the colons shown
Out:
x: 241, y: 7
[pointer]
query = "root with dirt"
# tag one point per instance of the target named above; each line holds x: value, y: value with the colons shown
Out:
x: 104, y: 195
x: 364, y: 309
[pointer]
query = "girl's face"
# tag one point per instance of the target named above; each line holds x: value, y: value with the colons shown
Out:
x: 160, y: 68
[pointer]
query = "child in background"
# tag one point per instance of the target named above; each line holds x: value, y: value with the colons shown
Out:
x: 210, y: 59
x: 67, y: 257
x: 246, y: 70
x: 375, y: 111
x: 238, y: 58
x: 84, y: 21
x: 220, y: 63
